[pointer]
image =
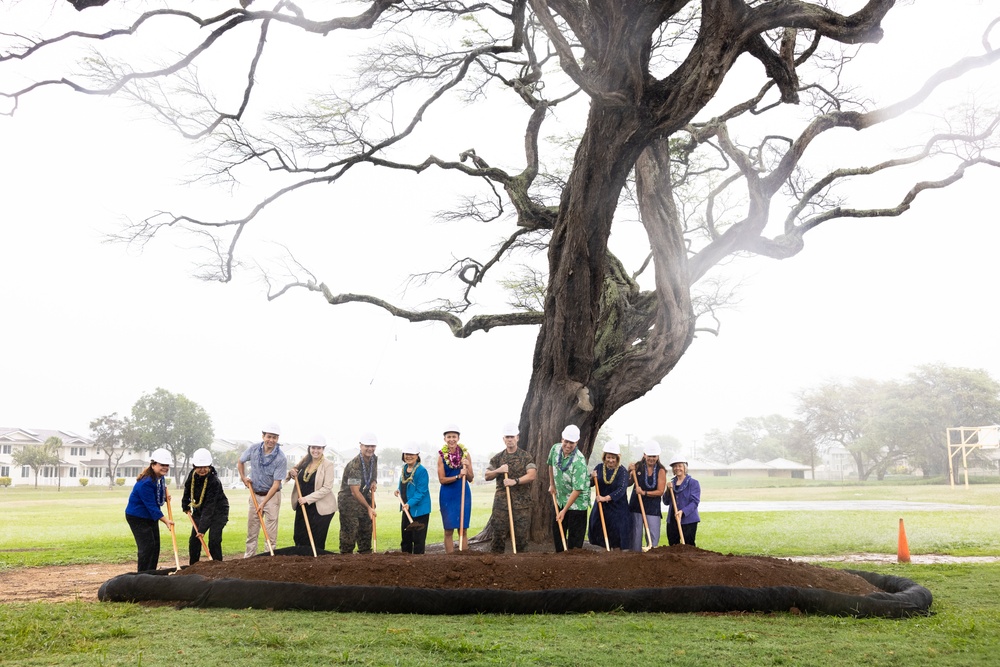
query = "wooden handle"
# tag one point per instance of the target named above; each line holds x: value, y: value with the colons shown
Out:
x: 562, y: 533
x: 642, y: 510
x: 510, y: 516
x: 305, y: 517
x: 202, y: 539
x: 673, y: 506
x: 604, y: 526
x: 173, y: 533
x: 260, y: 518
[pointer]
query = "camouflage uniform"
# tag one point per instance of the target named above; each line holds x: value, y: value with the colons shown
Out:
x: 355, y: 526
x: 518, y: 464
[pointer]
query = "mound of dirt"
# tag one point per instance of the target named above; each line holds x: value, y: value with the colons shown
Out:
x: 663, y: 567
x: 667, y: 579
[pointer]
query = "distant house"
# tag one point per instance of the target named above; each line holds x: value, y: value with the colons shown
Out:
x: 74, y: 455
x: 782, y: 468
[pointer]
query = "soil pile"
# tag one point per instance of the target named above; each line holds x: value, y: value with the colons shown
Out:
x: 662, y: 567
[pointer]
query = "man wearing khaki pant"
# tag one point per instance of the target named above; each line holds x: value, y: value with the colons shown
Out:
x: 268, y: 468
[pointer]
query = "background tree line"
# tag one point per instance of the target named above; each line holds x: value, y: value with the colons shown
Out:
x: 881, y: 424
x: 158, y: 419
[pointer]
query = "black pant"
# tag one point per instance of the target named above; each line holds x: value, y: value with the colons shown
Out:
x: 575, y: 525
x: 214, y: 532
x: 413, y: 541
x: 690, y: 531
x: 147, y: 541
x: 319, y: 523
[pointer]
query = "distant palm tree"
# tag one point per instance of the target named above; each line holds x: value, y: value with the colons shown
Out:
x: 37, y: 458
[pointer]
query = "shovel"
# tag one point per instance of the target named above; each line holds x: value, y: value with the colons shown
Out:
x: 562, y: 531
x: 260, y: 517
x: 305, y: 517
x: 200, y: 538
x: 642, y: 510
x: 413, y: 525
x: 173, y: 533
x: 600, y: 510
x: 510, y: 516
x: 673, y: 506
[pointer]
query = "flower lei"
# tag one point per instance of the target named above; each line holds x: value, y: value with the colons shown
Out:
x: 404, y: 479
x: 314, y: 464
x: 647, y: 484
x: 161, y: 491
x: 196, y: 505
x: 569, y: 460
x: 367, y: 473
x: 604, y: 474
x: 453, y: 459
x: 265, y: 460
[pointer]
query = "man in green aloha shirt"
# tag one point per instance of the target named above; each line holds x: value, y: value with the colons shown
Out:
x: 570, y: 483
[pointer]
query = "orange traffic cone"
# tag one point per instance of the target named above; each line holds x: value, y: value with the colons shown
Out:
x: 903, y: 550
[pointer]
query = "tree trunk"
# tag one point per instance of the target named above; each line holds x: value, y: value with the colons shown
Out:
x: 602, y: 343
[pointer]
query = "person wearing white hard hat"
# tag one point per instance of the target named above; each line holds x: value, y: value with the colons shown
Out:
x: 205, y: 500
x: 611, y: 482
x: 143, y: 510
x: 687, y: 493
x: 318, y: 503
x: 569, y: 481
x: 357, y: 486
x: 520, y: 471
x: 454, y: 468
x: 652, y: 483
x: 268, y: 467
x: 414, y: 497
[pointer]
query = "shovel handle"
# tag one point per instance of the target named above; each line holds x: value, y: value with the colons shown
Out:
x: 305, y: 517
x: 600, y: 510
x: 260, y: 518
x: 673, y: 506
x: 200, y: 538
x: 562, y: 533
x: 173, y: 533
x: 510, y: 516
x: 642, y: 510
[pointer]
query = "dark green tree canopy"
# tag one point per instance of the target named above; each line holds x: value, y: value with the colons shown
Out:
x: 172, y: 421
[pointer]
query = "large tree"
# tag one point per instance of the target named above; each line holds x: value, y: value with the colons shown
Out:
x: 884, y: 424
x: 172, y: 421
x: 112, y: 438
x: 709, y: 176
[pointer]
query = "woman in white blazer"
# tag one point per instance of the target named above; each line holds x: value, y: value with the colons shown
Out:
x: 317, y: 502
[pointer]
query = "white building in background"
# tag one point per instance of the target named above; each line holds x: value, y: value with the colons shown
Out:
x: 75, y: 456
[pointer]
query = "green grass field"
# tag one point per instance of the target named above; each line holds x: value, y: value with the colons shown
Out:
x: 87, y: 525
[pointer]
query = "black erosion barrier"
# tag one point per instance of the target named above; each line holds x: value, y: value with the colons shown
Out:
x: 898, y: 597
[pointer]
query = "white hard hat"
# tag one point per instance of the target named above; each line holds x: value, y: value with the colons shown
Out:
x: 451, y: 428
x: 271, y: 427
x: 510, y: 428
x: 651, y: 448
x: 612, y: 448
x: 163, y: 456
x: 571, y: 433
x: 677, y: 460
x: 412, y: 447
x: 368, y: 438
x: 317, y: 441
x: 201, y: 458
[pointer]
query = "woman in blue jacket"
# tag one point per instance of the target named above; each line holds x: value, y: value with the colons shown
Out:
x: 687, y: 493
x: 143, y: 509
x: 414, y: 497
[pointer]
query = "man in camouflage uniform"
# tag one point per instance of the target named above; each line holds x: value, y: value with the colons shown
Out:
x: 521, y: 472
x: 355, y: 498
